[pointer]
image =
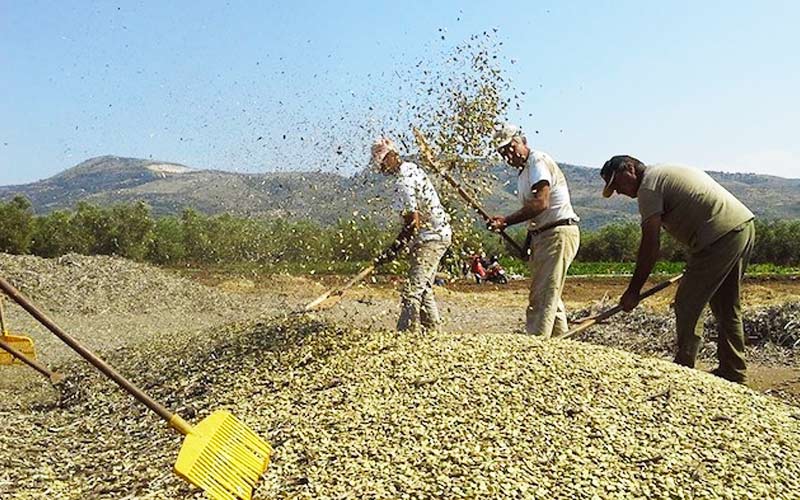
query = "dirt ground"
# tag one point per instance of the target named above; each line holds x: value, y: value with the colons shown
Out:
x: 580, y: 291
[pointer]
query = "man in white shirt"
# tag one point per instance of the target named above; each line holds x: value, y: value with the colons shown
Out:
x: 426, y: 230
x: 553, y: 226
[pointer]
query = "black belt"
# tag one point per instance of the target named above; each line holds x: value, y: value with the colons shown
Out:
x: 562, y: 222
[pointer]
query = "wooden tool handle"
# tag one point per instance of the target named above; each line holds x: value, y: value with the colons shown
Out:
x: 3, y: 330
x: 358, y: 277
x: 614, y: 310
x: 339, y: 291
x: 53, y: 376
x: 319, y: 300
x: 98, y: 363
x: 427, y: 156
x: 474, y: 204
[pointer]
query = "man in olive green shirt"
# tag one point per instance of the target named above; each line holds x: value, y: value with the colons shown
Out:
x: 719, y: 233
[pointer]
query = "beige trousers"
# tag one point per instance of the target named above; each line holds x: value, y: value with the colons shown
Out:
x: 418, y: 307
x: 552, y: 253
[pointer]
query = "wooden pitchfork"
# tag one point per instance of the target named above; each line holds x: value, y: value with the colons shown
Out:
x: 337, y: 292
x: 597, y: 318
x: 428, y: 159
x: 220, y: 454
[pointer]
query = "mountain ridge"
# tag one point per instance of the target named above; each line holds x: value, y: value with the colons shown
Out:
x: 325, y: 197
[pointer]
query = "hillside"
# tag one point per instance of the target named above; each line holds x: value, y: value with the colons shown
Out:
x: 326, y: 197
x: 169, y: 188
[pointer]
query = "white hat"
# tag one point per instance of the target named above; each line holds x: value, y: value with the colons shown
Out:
x: 380, y: 148
x: 504, y: 134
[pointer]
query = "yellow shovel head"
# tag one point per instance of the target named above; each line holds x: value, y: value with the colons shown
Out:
x: 223, y: 457
x: 22, y: 344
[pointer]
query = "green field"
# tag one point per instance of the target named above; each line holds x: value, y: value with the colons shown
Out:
x: 662, y: 267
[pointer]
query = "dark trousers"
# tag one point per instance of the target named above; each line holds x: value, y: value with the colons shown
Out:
x: 714, y: 276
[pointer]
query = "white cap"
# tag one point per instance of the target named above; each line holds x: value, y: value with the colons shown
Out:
x: 504, y: 134
x: 380, y: 148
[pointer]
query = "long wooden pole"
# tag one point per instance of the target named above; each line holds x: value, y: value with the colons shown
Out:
x: 88, y: 355
x: 427, y: 157
x: 586, y: 323
x: 53, y: 376
x: 39, y: 367
x: 339, y: 291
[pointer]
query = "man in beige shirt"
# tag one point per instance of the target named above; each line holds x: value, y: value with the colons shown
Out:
x: 719, y: 233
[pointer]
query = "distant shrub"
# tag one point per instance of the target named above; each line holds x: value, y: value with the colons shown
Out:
x: 132, y: 231
x: 16, y: 226
x: 777, y: 243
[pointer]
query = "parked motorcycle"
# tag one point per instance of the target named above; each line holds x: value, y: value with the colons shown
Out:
x: 496, y: 274
x: 492, y: 272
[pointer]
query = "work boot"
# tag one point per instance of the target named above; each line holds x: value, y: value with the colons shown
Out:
x: 432, y: 328
x: 688, y: 349
x: 736, y: 378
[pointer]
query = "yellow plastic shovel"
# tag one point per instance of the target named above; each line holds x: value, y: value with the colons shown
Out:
x: 19, y: 343
x: 220, y: 454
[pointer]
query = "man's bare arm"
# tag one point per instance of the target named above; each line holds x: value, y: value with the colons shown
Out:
x: 410, y: 227
x: 649, y: 247
x: 538, y: 203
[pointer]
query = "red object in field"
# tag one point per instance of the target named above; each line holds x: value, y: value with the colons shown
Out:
x: 476, y: 267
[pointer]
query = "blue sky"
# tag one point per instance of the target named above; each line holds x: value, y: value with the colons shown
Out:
x: 234, y: 85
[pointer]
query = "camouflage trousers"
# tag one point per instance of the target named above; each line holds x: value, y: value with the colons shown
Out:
x: 418, y: 306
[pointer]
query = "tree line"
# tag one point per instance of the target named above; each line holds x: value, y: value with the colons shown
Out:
x: 192, y: 238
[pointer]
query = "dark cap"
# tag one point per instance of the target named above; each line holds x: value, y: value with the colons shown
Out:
x: 610, y: 169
